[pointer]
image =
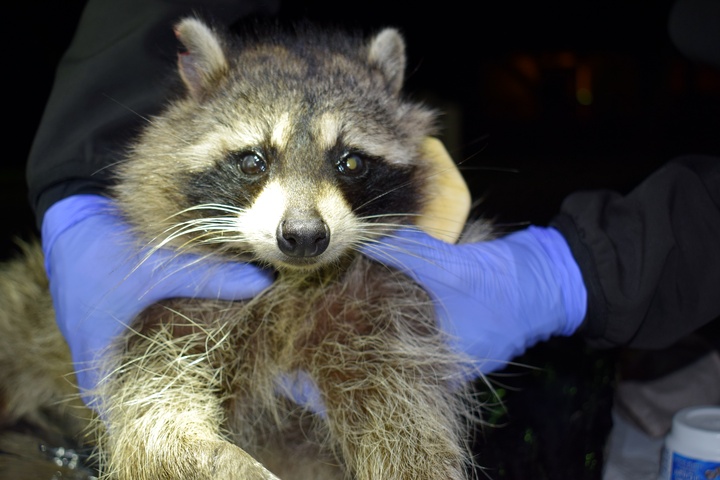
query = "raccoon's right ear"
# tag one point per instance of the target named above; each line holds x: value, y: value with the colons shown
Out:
x: 387, y: 51
x: 203, y: 63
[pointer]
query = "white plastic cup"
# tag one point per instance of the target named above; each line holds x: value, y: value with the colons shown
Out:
x: 692, y: 448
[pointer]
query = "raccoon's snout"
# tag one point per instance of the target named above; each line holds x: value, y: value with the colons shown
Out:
x: 305, y: 237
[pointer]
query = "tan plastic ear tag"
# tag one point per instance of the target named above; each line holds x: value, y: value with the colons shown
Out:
x: 448, y: 207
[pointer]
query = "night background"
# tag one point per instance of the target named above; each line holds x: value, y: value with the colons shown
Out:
x: 540, y: 99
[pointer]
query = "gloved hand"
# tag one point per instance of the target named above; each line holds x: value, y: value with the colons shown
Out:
x: 100, y: 280
x: 495, y: 298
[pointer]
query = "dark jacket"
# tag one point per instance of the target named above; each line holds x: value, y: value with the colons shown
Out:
x: 650, y: 259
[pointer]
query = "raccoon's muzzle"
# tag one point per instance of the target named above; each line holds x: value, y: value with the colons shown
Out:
x: 303, y: 237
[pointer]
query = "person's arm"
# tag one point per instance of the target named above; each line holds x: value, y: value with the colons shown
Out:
x: 640, y: 270
x: 650, y: 259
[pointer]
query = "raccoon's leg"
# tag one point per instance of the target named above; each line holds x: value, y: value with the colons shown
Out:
x: 163, y: 411
x: 392, y: 413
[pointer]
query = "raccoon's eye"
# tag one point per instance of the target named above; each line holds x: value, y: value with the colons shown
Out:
x: 250, y: 163
x: 351, y: 164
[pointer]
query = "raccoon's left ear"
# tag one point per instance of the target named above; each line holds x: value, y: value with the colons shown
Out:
x: 204, y: 62
x: 387, y: 51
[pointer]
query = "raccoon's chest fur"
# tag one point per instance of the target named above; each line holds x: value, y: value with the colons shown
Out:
x: 362, y: 308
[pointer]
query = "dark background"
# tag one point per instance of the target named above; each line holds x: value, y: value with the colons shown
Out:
x: 513, y: 79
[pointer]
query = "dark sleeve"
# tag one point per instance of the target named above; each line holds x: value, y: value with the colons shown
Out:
x: 651, y: 259
x: 111, y: 78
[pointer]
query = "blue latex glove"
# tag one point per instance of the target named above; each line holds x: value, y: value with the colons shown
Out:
x: 100, y: 280
x: 495, y: 298
x: 301, y: 389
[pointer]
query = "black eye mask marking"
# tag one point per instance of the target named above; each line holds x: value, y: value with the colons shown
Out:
x: 234, y: 180
x: 373, y: 186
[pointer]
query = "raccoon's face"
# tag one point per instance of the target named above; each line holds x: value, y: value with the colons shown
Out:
x: 288, y: 154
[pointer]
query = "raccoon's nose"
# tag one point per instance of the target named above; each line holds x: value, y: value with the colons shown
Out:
x: 306, y: 237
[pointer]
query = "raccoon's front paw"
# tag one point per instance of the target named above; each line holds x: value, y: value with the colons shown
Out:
x: 232, y: 463
x: 213, y: 460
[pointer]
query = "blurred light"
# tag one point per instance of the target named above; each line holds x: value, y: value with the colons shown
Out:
x: 528, y: 67
x: 583, y: 85
x: 565, y: 59
x: 584, y: 96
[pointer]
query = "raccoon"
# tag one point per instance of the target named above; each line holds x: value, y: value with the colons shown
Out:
x: 292, y: 151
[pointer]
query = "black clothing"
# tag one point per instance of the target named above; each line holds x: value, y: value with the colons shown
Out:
x: 651, y: 259
x: 695, y: 30
x: 112, y: 77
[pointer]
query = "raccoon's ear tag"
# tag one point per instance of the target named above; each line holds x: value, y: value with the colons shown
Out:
x: 446, y: 212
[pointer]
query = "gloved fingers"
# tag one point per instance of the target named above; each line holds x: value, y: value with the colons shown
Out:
x: 188, y: 275
x: 443, y: 269
x: 413, y: 252
x: 236, y: 281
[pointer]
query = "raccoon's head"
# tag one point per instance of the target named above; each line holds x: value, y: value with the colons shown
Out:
x: 291, y: 150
